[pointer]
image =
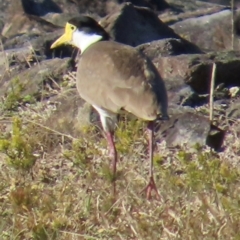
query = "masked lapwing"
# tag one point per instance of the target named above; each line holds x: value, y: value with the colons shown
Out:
x: 111, y: 77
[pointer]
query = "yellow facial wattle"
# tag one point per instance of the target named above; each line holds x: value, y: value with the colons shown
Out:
x: 66, y: 38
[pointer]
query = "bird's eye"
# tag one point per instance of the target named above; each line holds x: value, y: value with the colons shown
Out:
x: 72, y: 28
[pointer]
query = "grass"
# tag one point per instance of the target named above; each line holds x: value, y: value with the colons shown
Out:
x: 57, y: 186
x: 60, y: 188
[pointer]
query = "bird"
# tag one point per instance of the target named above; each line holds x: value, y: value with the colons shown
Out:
x: 112, y: 77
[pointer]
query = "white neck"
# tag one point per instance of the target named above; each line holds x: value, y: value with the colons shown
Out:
x: 83, y: 40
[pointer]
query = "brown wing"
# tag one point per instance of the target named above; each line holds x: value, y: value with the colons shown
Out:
x: 114, y: 76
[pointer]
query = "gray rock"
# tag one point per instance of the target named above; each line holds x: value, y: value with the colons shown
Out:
x: 59, y: 19
x: 233, y: 111
x: 196, y: 69
x: 72, y: 114
x: 165, y: 47
x: 33, y: 80
x: 134, y: 26
x: 21, y: 23
x: 100, y: 8
x: 209, y: 32
x: 12, y: 61
x: 190, y: 129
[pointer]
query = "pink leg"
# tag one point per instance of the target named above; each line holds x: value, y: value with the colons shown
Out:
x: 151, y: 184
x: 113, y: 157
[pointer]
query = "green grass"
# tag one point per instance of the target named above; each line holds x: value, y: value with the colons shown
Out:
x: 55, y: 188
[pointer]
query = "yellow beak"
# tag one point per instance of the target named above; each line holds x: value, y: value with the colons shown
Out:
x: 66, y: 38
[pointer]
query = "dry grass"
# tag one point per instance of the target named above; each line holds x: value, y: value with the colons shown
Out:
x: 65, y: 191
x: 54, y: 186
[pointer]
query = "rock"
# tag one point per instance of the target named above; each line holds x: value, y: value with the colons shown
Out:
x: 215, y: 137
x: 14, y: 60
x: 38, y: 79
x: 134, y: 26
x: 24, y: 23
x: 87, y: 115
x: 182, y: 10
x: 69, y: 116
x: 166, y: 47
x: 32, y: 7
x: 235, y: 131
x: 190, y: 129
x: 185, y: 96
x: 215, y: 31
x: 1, y: 24
x: 16, y: 54
x: 196, y: 69
x: 72, y: 115
x: 99, y: 8
x: 234, y: 91
x: 4, y: 5
x: 59, y: 19
x: 233, y: 111
x: 40, y: 45
x: 19, y: 41
x: 102, y: 8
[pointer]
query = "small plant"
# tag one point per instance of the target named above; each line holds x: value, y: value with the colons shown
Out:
x: 81, y: 153
x: 19, y: 151
x: 15, y: 98
x: 41, y: 232
x: 23, y: 198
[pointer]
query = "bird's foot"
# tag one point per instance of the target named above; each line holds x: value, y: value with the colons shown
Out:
x: 151, y: 187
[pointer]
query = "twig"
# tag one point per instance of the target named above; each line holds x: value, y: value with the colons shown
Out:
x: 211, y: 92
x: 6, y: 62
x: 50, y: 129
x: 232, y: 20
x: 58, y: 86
x: 78, y: 234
